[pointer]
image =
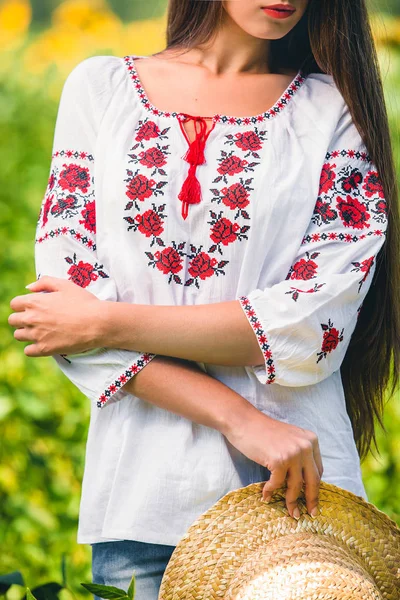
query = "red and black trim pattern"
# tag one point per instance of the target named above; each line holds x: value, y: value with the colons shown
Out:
x: 261, y: 337
x: 276, y: 109
x: 76, y: 235
x: 137, y: 366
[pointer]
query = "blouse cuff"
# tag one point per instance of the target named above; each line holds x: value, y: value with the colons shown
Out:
x: 265, y: 372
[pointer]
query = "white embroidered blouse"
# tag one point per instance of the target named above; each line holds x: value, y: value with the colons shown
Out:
x: 290, y: 221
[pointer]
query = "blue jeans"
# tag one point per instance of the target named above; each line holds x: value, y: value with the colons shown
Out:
x: 113, y: 563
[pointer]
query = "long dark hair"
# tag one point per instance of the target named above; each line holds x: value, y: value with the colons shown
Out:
x: 334, y: 37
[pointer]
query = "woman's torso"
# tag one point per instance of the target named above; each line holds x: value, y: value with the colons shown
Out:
x: 259, y: 184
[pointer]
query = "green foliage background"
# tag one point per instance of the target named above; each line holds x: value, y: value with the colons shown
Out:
x: 43, y: 418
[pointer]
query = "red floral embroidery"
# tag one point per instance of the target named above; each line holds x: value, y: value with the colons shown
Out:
x: 353, y: 213
x: 296, y: 291
x: 373, y: 185
x: 331, y: 339
x: 153, y: 158
x: 352, y: 181
x: 74, y: 177
x: 46, y: 208
x: 202, y: 266
x: 65, y: 207
x: 365, y: 266
x: 261, y: 337
x: 150, y: 223
x: 69, y: 190
x: 89, y: 217
x: 323, y: 213
x: 224, y: 232
x: 148, y: 130
x: 82, y: 273
x: 357, y: 207
x: 235, y: 197
x: 327, y: 179
x: 305, y: 268
x: 231, y: 165
x: 169, y: 261
x: 139, y: 187
x: 248, y: 141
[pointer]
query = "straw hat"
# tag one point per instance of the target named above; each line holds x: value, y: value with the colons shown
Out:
x: 245, y: 549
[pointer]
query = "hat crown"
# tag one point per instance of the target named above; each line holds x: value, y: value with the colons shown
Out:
x: 301, y: 565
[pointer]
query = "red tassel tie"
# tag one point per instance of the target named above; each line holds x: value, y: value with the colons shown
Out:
x: 191, y: 191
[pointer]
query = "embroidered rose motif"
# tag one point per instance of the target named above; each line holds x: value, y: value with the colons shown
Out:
x: 139, y: 188
x: 147, y: 131
x: 235, y: 196
x: 150, y: 223
x: 248, y: 140
x: 352, y: 181
x: 224, y: 231
x: 82, y: 273
x: 353, y: 213
x: 202, y: 266
x: 153, y: 157
x: 74, y: 177
x: 305, y: 268
x: 323, y: 213
x: 89, y: 217
x: 66, y: 207
x: 327, y: 179
x: 169, y: 261
x: 331, y: 339
x: 231, y: 165
x: 373, y: 185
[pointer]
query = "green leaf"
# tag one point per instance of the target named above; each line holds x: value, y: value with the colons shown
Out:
x: 29, y: 595
x: 47, y: 591
x: 132, y: 588
x: 105, y: 591
x: 9, y: 579
x: 64, y: 569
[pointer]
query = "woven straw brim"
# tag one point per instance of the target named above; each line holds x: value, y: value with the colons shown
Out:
x: 244, y: 549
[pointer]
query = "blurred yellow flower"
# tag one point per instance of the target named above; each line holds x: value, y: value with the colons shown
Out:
x: 15, y: 18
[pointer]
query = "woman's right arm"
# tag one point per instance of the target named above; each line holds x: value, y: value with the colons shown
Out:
x: 285, y: 449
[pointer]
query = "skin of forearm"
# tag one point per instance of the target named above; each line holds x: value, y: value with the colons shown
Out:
x: 216, y: 333
x: 190, y: 393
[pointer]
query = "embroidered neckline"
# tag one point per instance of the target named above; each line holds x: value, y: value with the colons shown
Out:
x: 277, y: 108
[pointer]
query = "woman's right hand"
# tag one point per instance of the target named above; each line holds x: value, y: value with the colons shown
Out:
x: 291, y: 453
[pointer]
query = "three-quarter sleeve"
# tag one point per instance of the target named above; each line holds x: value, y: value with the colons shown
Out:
x: 65, y: 244
x: 304, y: 323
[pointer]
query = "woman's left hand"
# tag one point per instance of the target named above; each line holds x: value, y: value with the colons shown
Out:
x: 64, y: 321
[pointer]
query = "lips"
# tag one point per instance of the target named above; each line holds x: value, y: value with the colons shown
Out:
x: 279, y: 11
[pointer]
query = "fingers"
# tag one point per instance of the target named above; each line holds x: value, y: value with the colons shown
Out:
x: 294, y: 486
x: 24, y: 334
x: 19, y: 303
x: 46, y: 283
x: 317, y: 457
x: 312, y: 480
x: 277, y: 480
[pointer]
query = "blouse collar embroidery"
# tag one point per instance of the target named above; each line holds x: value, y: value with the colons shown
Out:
x: 277, y: 108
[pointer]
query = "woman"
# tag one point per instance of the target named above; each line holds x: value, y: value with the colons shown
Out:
x: 219, y: 246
